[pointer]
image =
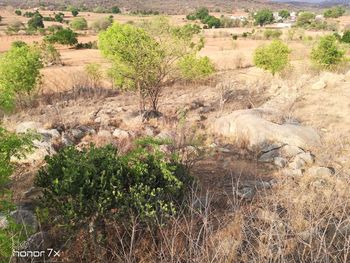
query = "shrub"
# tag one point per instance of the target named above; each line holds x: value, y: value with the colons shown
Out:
x: 78, y: 23
x: 270, y: 33
x: 19, y: 73
x: 99, y: 183
x: 14, y: 26
x: 88, y: 45
x: 305, y: 19
x: 62, y: 36
x: 327, y: 53
x: 263, y: 17
x: 346, y: 37
x: 36, y: 22
x: 284, y: 13
x: 212, y: 21
x: 94, y: 74
x: 115, y: 10
x: 273, y: 57
x: 192, y: 67
x: 50, y: 55
x: 334, y: 12
x: 59, y: 17
x: 18, y: 12
x: 75, y: 11
x: 101, y: 24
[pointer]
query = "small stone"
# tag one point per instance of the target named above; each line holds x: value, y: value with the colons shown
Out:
x: 321, y: 171
x: 297, y: 164
x: 279, y: 162
x: 27, y: 126
x: 319, y: 85
x: 104, y: 133
x: 77, y: 134
x: 292, y: 172
x: 120, y: 134
x: 269, y: 157
x: 291, y: 151
x: 307, y: 157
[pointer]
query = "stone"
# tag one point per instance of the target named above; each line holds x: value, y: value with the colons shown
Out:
x: 28, y: 126
x: 165, y: 135
x: 26, y: 217
x: 120, y: 134
x: 269, y: 157
x: 104, y: 133
x: 297, y: 163
x: 3, y: 222
x: 38, y: 241
x: 279, y: 162
x: 308, y: 158
x: 319, y: 85
x: 67, y: 140
x: 292, y: 172
x: 33, y: 193
x: 257, y: 128
x: 321, y: 171
x: 246, y: 193
x: 290, y: 151
x: 77, y: 134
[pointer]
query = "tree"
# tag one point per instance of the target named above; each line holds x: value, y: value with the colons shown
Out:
x: 64, y: 36
x: 192, y: 67
x: 59, y: 17
x: 327, y: 53
x: 346, y: 37
x: 334, y: 12
x: 115, y: 10
x: 273, y: 57
x: 75, y: 11
x: 146, y: 58
x: 202, y: 13
x: 18, y: 12
x: 212, y: 22
x: 305, y: 19
x: 19, y: 74
x: 284, y: 13
x: 79, y: 23
x: 263, y: 17
x: 36, y: 22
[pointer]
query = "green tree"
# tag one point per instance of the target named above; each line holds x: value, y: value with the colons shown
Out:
x: 64, y: 36
x: 36, y: 22
x: 18, y: 12
x: 284, y: 13
x: 192, y: 67
x: 327, y: 53
x: 59, y: 17
x: 115, y: 10
x: 305, y: 19
x: 78, y: 23
x: 146, y: 58
x: 273, y: 57
x: 75, y: 11
x: 202, y: 13
x: 212, y: 21
x: 346, y: 37
x: 19, y: 73
x: 334, y: 12
x: 263, y: 17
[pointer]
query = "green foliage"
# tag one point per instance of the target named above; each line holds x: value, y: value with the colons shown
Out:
x: 115, y: 10
x: 36, y: 22
x: 263, y: 17
x: 101, y: 24
x: 18, y: 43
x: 145, y: 59
x: 272, y: 33
x: 334, y: 12
x: 79, y: 23
x: 75, y: 11
x: 346, y: 37
x: 19, y: 73
x: 305, y: 19
x: 203, y: 15
x: 327, y: 53
x: 18, y: 12
x: 99, y: 183
x: 59, y: 17
x: 29, y: 14
x: 212, y: 21
x: 192, y: 67
x: 273, y: 57
x: 284, y: 13
x: 64, y: 36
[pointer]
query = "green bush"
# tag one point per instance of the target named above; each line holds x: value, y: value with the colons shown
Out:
x: 327, y: 53
x: 346, y: 37
x: 263, y: 17
x: 36, y: 22
x: 64, y: 36
x: 100, y: 183
x: 334, y: 12
x: 59, y: 17
x: 272, y: 33
x: 284, y: 13
x: 273, y: 57
x: 305, y: 19
x: 18, y: 12
x: 192, y: 67
x: 75, y: 11
x: 115, y: 10
x: 79, y: 23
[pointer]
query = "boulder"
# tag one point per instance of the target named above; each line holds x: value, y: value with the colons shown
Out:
x: 256, y: 128
x: 120, y: 134
x: 321, y: 171
x: 28, y: 126
x: 25, y: 217
x: 319, y: 85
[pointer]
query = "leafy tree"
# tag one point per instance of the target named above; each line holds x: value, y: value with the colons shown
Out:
x: 36, y: 22
x: 19, y: 73
x: 59, y: 17
x: 334, y: 12
x: 146, y: 58
x: 98, y: 183
x: 263, y: 17
x: 327, y: 52
x: 346, y: 37
x: 115, y: 10
x: 305, y: 19
x: 212, y: 21
x: 202, y: 13
x: 284, y: 13
x: 273, y: 57
x: 18, y: 12
x: 75, y: 11
x: 64, y: 36
x: 79, y: 23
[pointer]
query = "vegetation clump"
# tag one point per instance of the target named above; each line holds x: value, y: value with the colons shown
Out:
x: 79, y: 23
x: 63, y: 36
x: 263, y: 17
x: 334, y: 12
x: 203, y: 15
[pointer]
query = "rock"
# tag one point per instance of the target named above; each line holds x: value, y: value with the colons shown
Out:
x: 104, y: 133
x: 332, y: 79
x: 77, y: 134
x: 52, y: 133
x: 247, y: 193
x: 321, y: 171
x: 290, y: 151
x: 196, y: 104
x: 3, y: 222
x: 319, y: 85
x: 148, y: 131
x: 120, y: 134
x: 67, y: 140
x: 292, y: 172
x: 165, y: 135
x: 269, y: 157
x: 42, y: 149
x: 308, y: 158
x: 37, y: 242
x: 33, y: 193
x: 257, y: 128
x: 27, y: 126
x: 25, y: 217
x: 297, y: 163
x: 206, y: 109
x: 279, y: 162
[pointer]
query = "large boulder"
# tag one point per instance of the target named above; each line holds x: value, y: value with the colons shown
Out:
x: 257, y: 128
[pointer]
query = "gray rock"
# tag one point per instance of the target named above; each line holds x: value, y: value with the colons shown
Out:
x: 104, y: 133
x: 27, y: 126
x: 291, y: 151
x: 269, y: 157
x: 292, y: 172
x: 307, y: 157
x: 321, y: 171
x: 120, y: 134
x: 279, y: 162
x: 246, y: 193
x: 25, y: 217
x: 297, y: 163
x: 67, y: 140
x: 77, y: 134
